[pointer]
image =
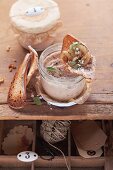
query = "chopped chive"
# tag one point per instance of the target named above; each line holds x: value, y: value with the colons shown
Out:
x: 37, y: 101
x: 51, y: 69
x: 72, y: 63
x: 77, y: 66
x: 74, y: 45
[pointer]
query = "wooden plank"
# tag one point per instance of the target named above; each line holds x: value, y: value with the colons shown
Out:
x: 76, y: 161
x: 12, y: 161
x: 34, y: 143
x: 108, y: 163
x: 88, y: 25
x: 69, y: 149
x: 76, y: 168
x: 83, y: 21
x: 102, y: 98
x: 47, y: 112
x: 82, y: 162
x: 1, y: 135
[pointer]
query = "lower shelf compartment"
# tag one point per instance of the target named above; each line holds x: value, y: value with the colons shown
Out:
x: 74, y: 161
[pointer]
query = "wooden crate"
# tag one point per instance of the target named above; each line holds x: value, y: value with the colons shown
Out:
x: 74, y: 160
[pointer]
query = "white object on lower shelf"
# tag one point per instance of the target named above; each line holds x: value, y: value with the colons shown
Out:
x: 90, y: 154
x: 27, y: 156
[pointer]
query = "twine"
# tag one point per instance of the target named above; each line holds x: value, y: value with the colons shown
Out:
x: 53, y: 132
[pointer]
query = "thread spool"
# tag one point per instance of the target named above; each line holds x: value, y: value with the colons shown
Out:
x: 54, y: 131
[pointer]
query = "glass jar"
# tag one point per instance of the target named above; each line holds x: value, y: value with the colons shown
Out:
x: 38, y: 41
x: 63, y: 88
x: 35, y: 23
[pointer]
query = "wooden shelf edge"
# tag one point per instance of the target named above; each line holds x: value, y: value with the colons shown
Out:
x: 76, y: 161
x: 12, y: 161
x: 48, y: 112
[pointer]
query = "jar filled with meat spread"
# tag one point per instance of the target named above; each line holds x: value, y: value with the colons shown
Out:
x: 35, y: 22
x: 57, y: 81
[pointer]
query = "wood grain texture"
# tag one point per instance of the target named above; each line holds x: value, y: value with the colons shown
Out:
x: 108, y: 163
x: 90, y: 21
x: 57, y: 162
x: 76, y: 161
x: 47, y: 112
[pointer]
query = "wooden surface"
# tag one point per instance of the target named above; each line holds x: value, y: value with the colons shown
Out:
x: 108, y: 163
x: 90, y: 21
x: 57, y: 162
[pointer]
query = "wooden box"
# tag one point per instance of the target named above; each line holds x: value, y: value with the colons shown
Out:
x: 73, y: 158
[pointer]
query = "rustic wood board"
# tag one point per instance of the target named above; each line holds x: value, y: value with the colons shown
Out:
x: 108, y: 163
x: 89, y: 20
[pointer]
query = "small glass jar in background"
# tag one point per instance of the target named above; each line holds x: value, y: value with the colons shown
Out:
x: 35, y: 22
x: 62, y: 88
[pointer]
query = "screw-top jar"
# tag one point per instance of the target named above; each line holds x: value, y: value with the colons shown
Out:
x: 35, y: 22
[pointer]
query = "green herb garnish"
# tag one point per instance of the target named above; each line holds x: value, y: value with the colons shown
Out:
x: 51, y: 69
x: 72, y: 63
x: 74, y: 45
x: 37, y: 101
x: 77, y: 66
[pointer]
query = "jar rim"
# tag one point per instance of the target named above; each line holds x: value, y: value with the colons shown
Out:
x: 42, y: 71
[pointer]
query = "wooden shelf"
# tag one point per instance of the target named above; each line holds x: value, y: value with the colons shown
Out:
x: 73, y: 159
x: 92, y: 27
x: 76, y: 161
x: 46, y: 112
x: 91, y: 22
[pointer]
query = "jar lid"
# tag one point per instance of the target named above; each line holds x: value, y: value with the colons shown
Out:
x: 34, y: 16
